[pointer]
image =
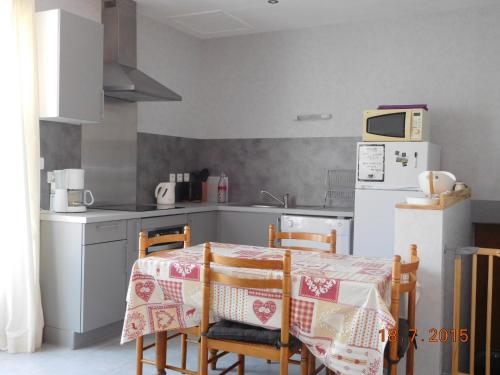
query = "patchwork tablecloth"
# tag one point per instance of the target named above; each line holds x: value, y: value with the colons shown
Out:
x: 339, y: 303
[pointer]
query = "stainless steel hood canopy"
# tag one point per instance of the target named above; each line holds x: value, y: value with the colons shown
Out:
x: 122, y: 80
x: 126, y: 83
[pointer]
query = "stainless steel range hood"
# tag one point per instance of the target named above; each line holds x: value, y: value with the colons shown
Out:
x: 122, y: 80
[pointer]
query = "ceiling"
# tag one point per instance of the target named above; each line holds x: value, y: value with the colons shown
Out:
x: 217, y: 18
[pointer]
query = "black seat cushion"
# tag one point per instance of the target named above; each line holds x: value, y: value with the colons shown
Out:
x: 403, y: 339
x: 228, y: 330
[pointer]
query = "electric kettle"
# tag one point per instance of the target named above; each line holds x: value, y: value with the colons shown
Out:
x: 165, y: 193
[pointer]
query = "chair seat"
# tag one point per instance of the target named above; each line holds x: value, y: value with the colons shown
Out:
x: 403, y: 339
x: 228, y: 330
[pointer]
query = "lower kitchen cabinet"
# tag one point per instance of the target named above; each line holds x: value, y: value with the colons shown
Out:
x: 83, y: 280
x: 133, y: 228
x: 85, y: 268
x: 248, y: 228
x: 103, y: 284
x: 203, y: 227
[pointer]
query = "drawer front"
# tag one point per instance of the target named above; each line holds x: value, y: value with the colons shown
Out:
x: 163, y: 221
x: 105, y: 232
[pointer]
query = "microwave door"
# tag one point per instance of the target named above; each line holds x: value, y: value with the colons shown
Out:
x: 392, y: 125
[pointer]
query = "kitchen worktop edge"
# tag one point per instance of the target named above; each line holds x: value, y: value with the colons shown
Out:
x: 95, y: 216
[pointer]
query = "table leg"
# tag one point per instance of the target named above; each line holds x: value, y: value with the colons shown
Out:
x: 161, y: 352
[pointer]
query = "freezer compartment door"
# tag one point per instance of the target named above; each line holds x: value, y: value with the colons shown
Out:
x: 394, y: 165
x: 374, y: 212
x: 323, y: 225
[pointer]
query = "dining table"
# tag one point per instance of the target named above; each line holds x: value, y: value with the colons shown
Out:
x: 339, y: 303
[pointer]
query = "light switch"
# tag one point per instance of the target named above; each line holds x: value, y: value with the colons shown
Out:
x: 42, y: 163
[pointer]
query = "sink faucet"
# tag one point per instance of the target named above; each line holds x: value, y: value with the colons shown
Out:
x: 283, y: 202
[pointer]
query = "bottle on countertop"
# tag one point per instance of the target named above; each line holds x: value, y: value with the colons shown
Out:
x: 222, y: 189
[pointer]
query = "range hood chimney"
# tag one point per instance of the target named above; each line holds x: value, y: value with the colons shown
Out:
x: 122, y: 79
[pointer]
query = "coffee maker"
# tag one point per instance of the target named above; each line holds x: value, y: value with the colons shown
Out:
x: 67, y: 193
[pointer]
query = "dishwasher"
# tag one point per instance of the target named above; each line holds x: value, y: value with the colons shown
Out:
x: 323, y: 225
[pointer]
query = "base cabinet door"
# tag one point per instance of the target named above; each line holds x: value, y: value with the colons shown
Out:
x: 104, y: 286
x: 245, y: 228
x: 203, y: 227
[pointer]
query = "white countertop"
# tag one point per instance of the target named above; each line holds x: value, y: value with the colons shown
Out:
x: 95, y: 215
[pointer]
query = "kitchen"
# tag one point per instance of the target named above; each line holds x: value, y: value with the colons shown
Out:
x: 273, y: 100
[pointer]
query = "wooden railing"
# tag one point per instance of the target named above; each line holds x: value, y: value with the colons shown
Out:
x: 457, y: 301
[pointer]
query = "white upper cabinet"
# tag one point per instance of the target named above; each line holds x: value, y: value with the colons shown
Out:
x: 70, y: 63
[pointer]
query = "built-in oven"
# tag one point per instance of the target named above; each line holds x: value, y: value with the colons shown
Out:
x: 177, y: 229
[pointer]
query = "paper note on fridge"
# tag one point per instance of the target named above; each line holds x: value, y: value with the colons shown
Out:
x: 371, y: 162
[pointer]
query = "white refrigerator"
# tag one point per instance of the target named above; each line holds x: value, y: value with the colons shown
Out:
x: 386, y: 173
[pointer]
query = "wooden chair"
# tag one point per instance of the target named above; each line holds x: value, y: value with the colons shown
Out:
x: 245, y: 348
x: 161, y: 338
x: 396, y: 349
x: 331, y: 239
x: 274, y: 236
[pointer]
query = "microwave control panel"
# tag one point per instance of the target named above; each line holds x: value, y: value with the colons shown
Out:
x: 416, y: 126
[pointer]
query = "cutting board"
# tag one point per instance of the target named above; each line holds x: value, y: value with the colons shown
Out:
x: 212, y: 183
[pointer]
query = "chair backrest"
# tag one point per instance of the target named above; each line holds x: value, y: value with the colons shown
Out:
x: 145, y: 242
x: 400, y: 286
x: 274, y: 236
x: 209, y: 275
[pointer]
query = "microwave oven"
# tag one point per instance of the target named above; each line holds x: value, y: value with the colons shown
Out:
x: 395, y: 125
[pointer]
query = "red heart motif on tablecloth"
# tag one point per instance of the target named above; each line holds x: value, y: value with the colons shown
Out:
x: 264, y: 311
x: 319, y: 288
x: 144, y: 290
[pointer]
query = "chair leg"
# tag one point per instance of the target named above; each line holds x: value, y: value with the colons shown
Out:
x: 161, y: 352
x: 183, y: 350
x: 203, y: 367
x: 139, y: 352
x: 311, y: 362
x: 304, y: 360
x: 213, y: 364
x: 241, y: 364
x: 410, y: 357
x: 284, y: 361
x: 393, y: 369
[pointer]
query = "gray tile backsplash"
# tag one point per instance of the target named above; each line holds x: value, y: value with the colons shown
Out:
x: 60, y: 145
x: 157, y: 156
x: 294, y: 165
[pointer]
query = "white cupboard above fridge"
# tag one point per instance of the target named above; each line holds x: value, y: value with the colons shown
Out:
x: 70, y: 64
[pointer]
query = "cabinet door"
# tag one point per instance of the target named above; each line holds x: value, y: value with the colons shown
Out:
x: 70, y: 60
x: 132, y: 246
x: 203, y: 227
x: 104, y: 290
x: 246, y: 228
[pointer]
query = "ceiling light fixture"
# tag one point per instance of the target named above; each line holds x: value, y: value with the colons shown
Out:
x: 273, y: 1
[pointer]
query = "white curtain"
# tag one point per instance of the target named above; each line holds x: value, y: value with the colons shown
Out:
x: 21, y: 319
